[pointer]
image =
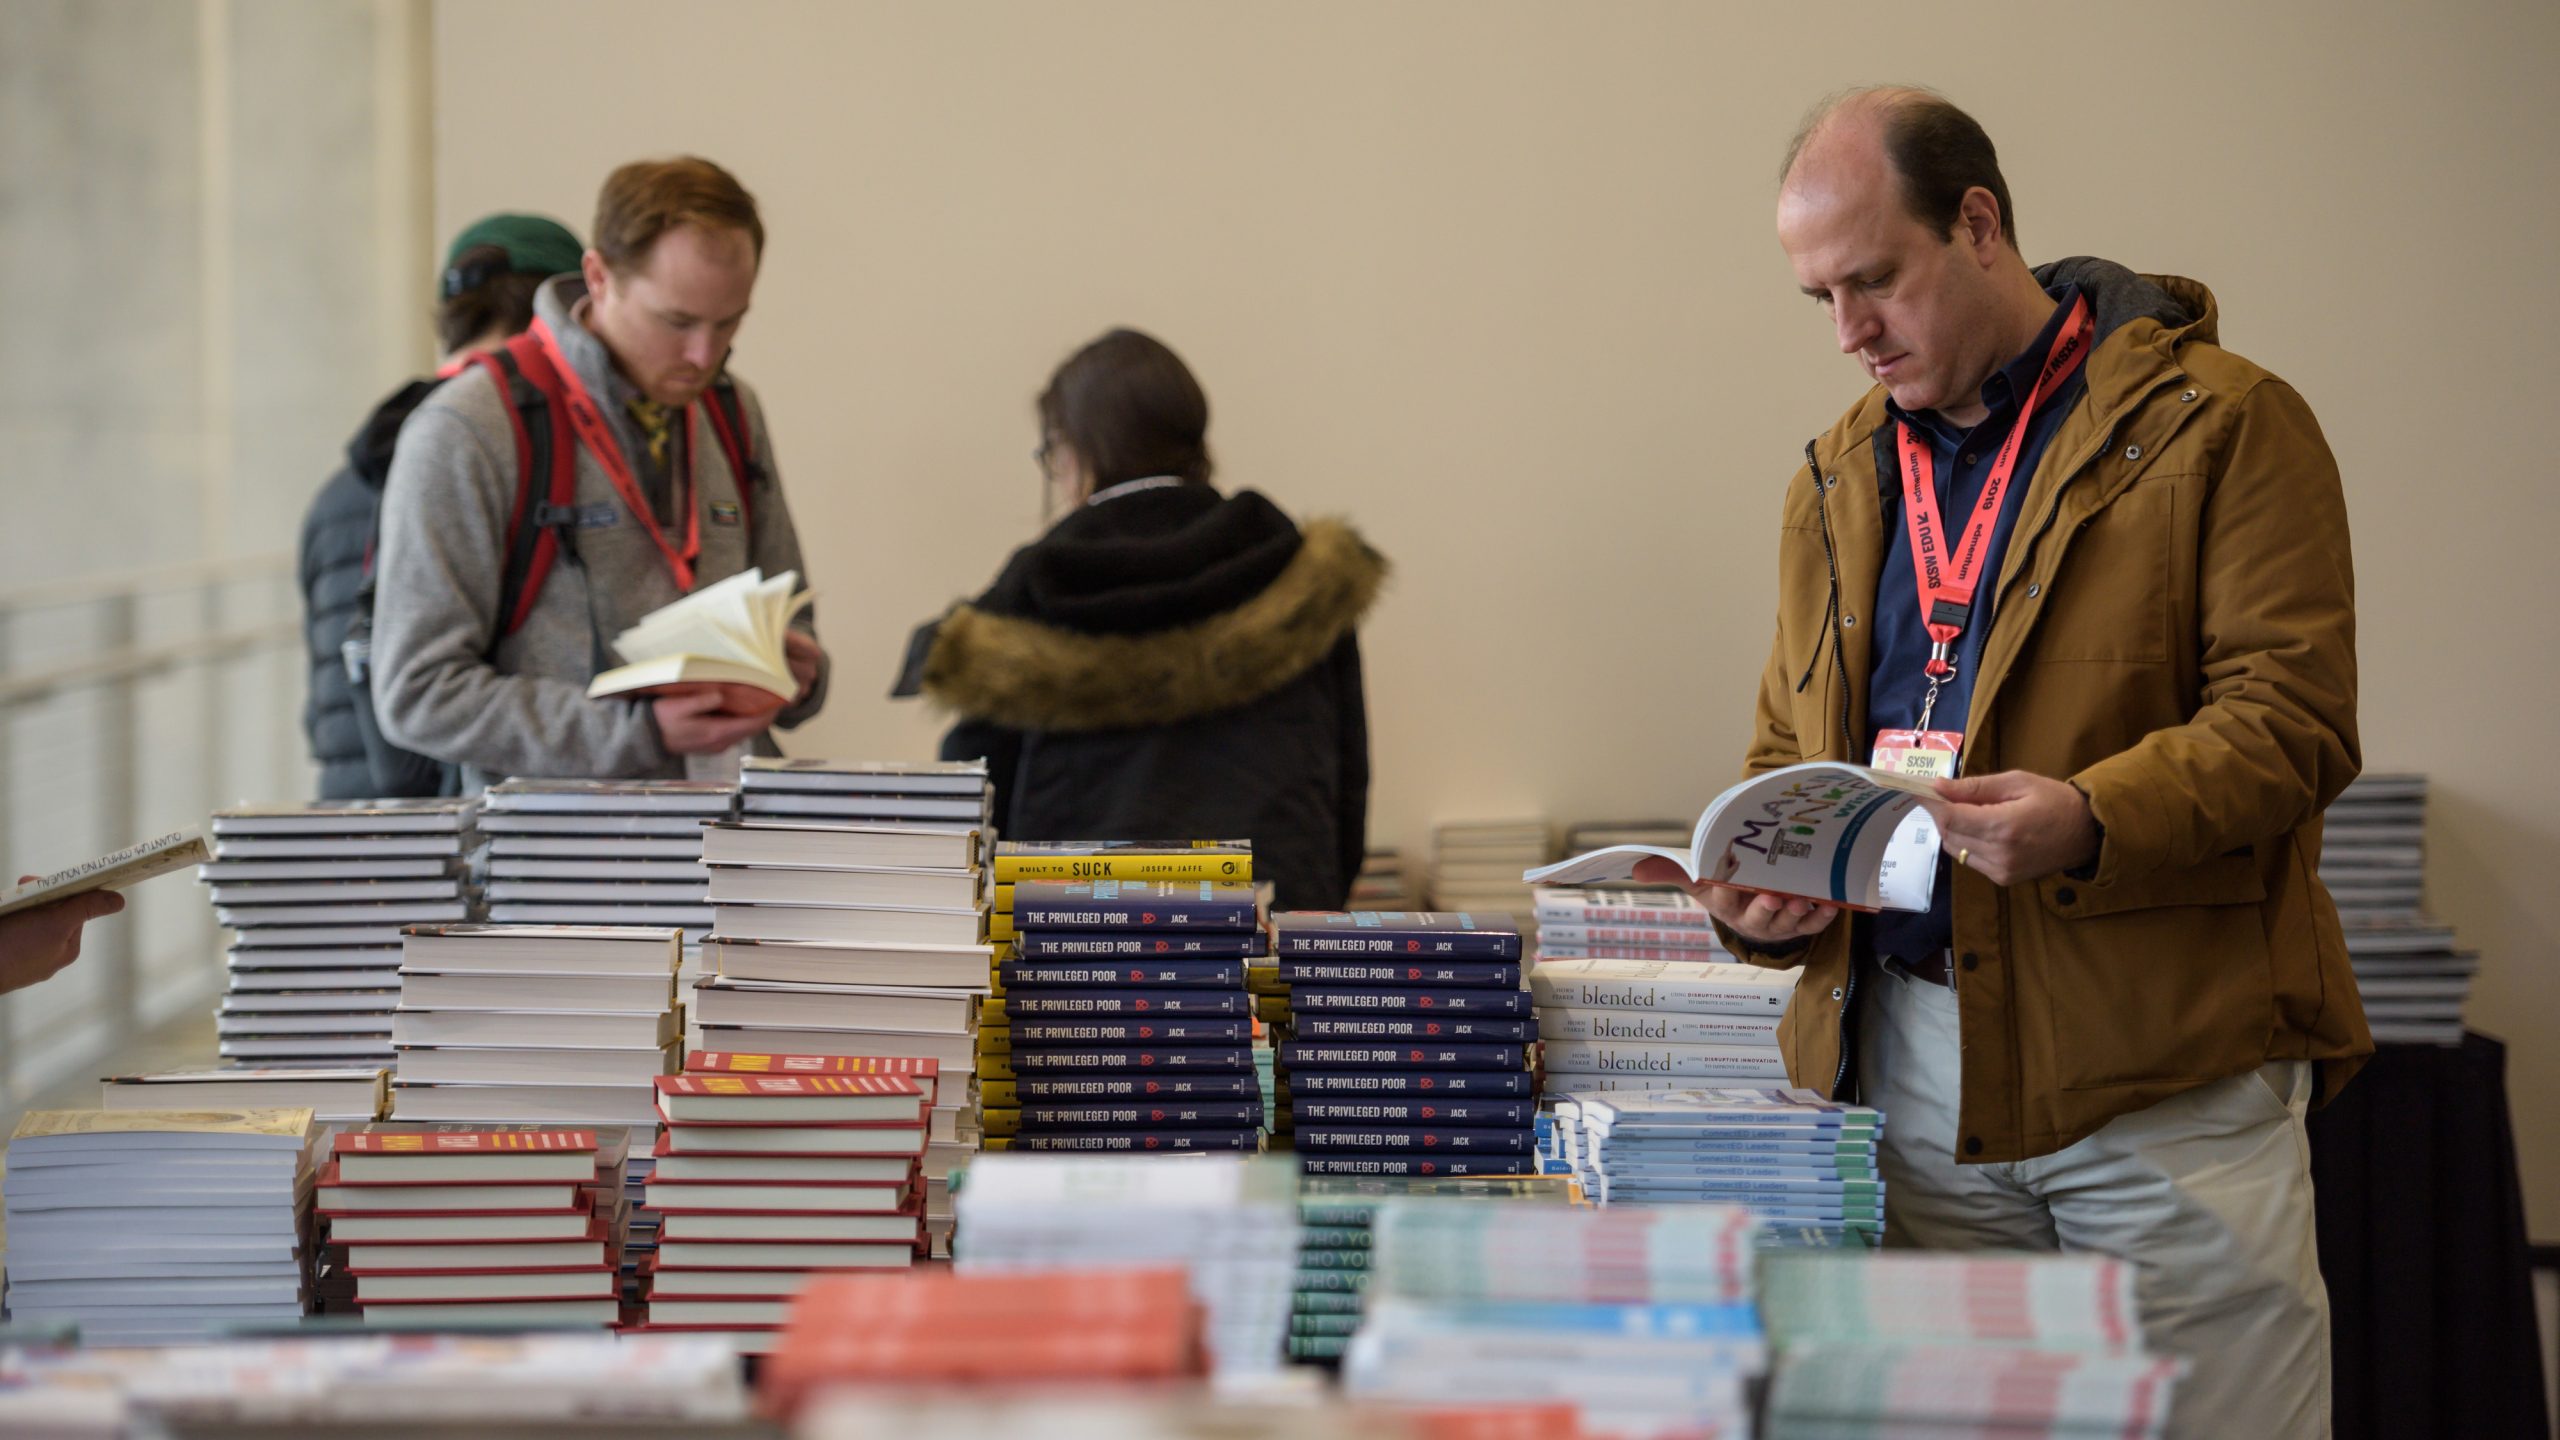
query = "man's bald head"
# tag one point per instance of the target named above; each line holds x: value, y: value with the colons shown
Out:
x: 1933, y: 149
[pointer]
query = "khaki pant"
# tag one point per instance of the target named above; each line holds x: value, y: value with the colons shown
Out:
x: 2207, y: 1193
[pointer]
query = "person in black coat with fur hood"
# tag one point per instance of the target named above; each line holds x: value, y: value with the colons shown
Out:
x: 1166, y: 663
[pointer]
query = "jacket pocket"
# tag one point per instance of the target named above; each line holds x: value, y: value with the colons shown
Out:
x: 2109, y: 600
x: 2163, y: 979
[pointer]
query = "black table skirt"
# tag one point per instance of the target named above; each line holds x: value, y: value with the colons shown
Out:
x: 2423, y: 1245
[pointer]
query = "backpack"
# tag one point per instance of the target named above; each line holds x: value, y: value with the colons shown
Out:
x: 541, y: 530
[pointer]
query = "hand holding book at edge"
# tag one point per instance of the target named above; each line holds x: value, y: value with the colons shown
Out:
x: 2015, y: 826
x: 37, y: 943
x: 1770, y: 921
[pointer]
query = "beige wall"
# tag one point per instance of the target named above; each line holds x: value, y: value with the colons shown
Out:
x: 1498, y: 281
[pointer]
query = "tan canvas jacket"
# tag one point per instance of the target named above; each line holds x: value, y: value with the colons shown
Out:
x: 2173, y: 629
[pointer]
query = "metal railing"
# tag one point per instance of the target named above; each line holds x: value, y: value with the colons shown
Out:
x: 133, y: 704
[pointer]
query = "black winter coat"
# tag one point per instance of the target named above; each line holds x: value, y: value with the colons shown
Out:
x: 336, y: 564
x: 1173, y: 664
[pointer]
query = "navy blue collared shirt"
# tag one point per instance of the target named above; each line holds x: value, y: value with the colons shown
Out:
x: 1898, y: 680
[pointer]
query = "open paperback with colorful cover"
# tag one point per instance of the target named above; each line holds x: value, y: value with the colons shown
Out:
x: 1846, y: 834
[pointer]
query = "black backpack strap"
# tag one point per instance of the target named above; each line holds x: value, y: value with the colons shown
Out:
x: 729, y: 423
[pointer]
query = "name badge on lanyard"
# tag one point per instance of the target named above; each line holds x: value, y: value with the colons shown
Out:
x: 1947, y: 580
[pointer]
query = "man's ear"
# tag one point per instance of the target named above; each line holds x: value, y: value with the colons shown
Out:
x: 597, y: 274
x: 1978, y: 224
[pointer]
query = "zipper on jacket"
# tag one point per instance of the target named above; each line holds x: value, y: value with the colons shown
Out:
x: 1831, y: 609
x: 1848, y: 998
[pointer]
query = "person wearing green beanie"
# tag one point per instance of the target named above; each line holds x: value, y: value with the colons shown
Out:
x: 484, y: 295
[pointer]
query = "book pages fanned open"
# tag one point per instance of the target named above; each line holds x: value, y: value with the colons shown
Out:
x: 728, y: 633
x: 1846, y: 834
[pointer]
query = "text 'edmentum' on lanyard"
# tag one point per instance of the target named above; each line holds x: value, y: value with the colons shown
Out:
x: 598, y: 437
x: 1947, y: 582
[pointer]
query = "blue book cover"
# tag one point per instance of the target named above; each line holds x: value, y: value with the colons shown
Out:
x: 1409, y: 1163
x: 1140, y: 1141
x: 1413, y: 1027
x: 1401, y: 974
x: 1325, y: 999
x: 1032, y: 1002
x: 1112, y: 944
x: 1133, y: 905
x: 1745, y: 1150
x: 1050, y: 1089
x: 1124, y: 1030
x: 1143, y: 1115
x: 1406, y: 1055
x: 1116, y: 1060
x: 1409, y: 1110
x: 1130, y: 974
x: 1667, y: 1321
x: 1451, y: 934
x: 1474, y: 1084
x: 1440, y: 1140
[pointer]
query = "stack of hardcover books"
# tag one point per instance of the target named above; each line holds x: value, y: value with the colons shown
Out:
x: 157, y: 1228
x: 1906, y: 1343
x: 353, y: 1094
x: 1335, y: 1214
x: 1411, y: 1043
x: 1224, y: 862
x: 1658, y: 1024
x: 554, y: 1024
x: 1642, y: 1319
x: 2413, y: 976
x: 1161, y: 1057
x: 316, y: 895
x: 769, y: 1176
x: 1476, y: 864
x: 1622, y: 924
x: 602, y: 852
x: 852, y: 940
x: 945, y: 794
x: 1112, y: 1327
x: 441, y: 1226
x: 1803, y: 1164
x: 1230, y: 1220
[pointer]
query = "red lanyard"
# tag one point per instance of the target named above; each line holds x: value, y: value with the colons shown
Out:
x: 1947, y: 585
x: 597, y: 436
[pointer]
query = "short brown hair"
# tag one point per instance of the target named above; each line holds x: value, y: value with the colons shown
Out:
x: 500, y: 300
x: 647, y: 198
x: 1130, y: 408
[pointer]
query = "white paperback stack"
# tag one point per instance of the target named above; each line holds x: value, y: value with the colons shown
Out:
x: 155, y: 1228
x: 1909, y: 1343
x: 1231, y: 1221
x: 316, y: 895
x: 1639, y: 1319
x: 856, y: 937
x: 1798, y: 1161
x: 1624, y: 924
x: 1476, y: 865
x: 602, y: 852
x: 1657, y: 1024
x: 2413, y: 977
x: 556, y: 1024
x: 342, y: 1095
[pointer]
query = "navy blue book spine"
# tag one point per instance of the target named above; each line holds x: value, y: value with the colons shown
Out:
x: 1414, y: 1027
x: 1409, y: 1163
x: 1324, y: 999
x: 1473, y: 1084
x: 1141, y: 1141
x: 1516, y: 1140
x: 1114, y: 944
x: 1312, y: 935
x: 1111, y: 1060
x: 1195, y: 1114
x: 1031, y: 1089
x: 1028, y: 1034
x: 1133, y: 905
x: 1401, y: 974
x: 1032, y: 1002
x: 1407, y: 1111
x: 1409, y: 1055
x: 1132, y: 974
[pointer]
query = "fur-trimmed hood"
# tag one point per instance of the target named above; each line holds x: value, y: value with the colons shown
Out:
x: 1007, y: 659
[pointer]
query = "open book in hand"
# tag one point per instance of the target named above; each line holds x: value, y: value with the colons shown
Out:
x: 1846, y: 835
x: 729, y: 633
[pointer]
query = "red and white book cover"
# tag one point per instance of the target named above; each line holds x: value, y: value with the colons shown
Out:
x: 459, y: 1142
x: 924, y: 1072
x: 759, y: 1137
x: 792, y: 1099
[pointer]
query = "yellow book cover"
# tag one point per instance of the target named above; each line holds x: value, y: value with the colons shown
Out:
x: 997, y: 1095
x: 998, y: 1142
x: 1196, y: 860
x: 995, y: 1067
x: 294, y: 1123
x: 995, y: 1042
x: 1265, y: 980
x: 1271, y: 1009
x: 1001, y: 1123
x: 1000, y: 930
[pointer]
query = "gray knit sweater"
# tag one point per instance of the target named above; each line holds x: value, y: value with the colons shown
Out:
x: 444, y: 532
